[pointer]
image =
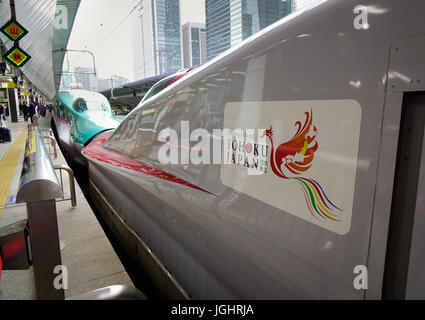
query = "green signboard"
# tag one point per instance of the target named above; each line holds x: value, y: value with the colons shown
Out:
x: 14, y: 30
x: 17, y: 56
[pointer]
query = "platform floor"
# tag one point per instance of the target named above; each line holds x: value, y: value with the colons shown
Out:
x: 85, y: 250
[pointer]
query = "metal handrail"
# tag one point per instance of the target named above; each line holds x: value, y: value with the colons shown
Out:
x: 48, y: 131
x: 61, y: 168
x: 38, y: 179
x: 71, y: 179
x: 53, y: 143
x: 50, y: 140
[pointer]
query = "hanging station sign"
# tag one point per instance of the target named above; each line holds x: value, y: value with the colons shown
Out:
x: 17, y: 56
x: 14, y: 30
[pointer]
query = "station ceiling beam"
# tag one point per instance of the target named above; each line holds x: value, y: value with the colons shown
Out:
x: 45, y: 34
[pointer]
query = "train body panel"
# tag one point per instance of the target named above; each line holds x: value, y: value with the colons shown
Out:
x: 327, y: 96
x: 75, y: 125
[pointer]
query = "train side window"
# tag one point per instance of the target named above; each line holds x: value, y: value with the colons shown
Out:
x: 157, y: 88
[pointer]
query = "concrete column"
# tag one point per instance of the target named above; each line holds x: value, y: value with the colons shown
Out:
x: 13, y: 104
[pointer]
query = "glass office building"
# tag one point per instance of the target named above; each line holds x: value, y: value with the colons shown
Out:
x: 228, y: 22
x: 167, y: 40
x: 217, y: 14
x: 156, y: 37
x: 86, y: 78
x: 172, y: 35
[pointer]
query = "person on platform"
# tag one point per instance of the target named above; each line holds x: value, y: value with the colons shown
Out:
x: 6, y: 113
x: 2, y: 116
x: 32, y: 111
x: 42, y: 109
x: 26, y: 111
x: 21, y: 109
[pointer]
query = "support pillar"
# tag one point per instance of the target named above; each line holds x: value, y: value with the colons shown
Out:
x: 13, y: 104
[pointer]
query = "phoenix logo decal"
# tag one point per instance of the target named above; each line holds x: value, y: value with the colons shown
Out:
x: 293, y: 158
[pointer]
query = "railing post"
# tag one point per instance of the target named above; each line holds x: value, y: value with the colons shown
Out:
x: 71, y: 183
x: 45, y: 248
x: 53, y: 143
x: 39, y: 187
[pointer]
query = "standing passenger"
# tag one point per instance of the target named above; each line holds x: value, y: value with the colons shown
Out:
x: 32, y: 111
x: 2, y: 111
x: 2, y: 117
x: 6, y: 113
x: 26, y: 110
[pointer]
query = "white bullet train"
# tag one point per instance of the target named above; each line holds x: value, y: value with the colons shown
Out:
x: 290, y: 167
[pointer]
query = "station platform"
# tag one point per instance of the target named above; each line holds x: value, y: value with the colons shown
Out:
x: 85, y: 250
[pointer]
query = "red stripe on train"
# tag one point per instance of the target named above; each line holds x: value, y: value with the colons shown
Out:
x: 63, y: 119
x: 95, y: 150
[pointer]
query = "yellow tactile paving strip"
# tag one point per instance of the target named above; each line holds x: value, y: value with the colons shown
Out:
x: 8, y: 166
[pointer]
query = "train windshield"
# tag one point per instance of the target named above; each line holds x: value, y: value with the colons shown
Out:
x: 85, y: 105
x: 157, y: 88
x: 96, y: 106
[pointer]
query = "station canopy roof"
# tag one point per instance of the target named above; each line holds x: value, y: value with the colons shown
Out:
x: 46, y: 40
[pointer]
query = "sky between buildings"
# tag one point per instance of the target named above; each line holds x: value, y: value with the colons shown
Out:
x: 97, y: 29
x: 104, y: 28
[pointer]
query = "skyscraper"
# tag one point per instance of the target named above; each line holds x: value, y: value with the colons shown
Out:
x: 172, y: 36
x: 217, y: 15
x: 112, y: 82
x: 228, y: 22
x: 156, y: 37
x: 86, y: 77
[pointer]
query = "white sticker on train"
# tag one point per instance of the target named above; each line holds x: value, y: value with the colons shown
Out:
x: 311, y: 157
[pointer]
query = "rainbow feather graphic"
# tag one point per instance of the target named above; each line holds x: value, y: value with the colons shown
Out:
x: 294, y: 157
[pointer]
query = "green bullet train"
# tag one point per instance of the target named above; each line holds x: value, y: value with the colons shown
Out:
x: 79, y: 116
